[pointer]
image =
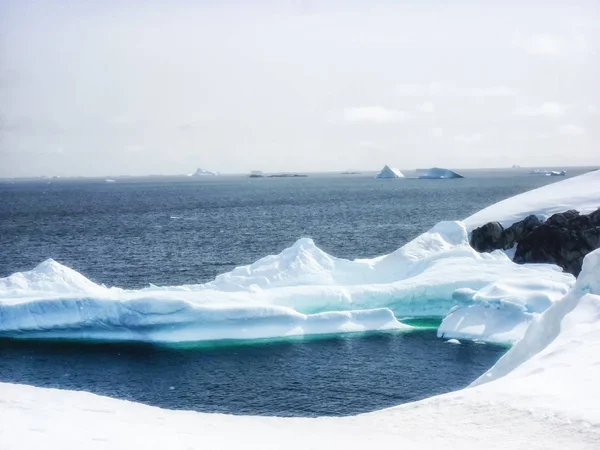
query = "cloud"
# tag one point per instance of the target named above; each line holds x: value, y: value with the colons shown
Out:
x: 133, y: 148
x: 571, y: 130
x: 591, y: 109
x: 411, y: 90
x: 468, y: 138
x: 427, y: 107
x: 437, y: 132
x: 551, y: 44
x: 540, y: 44
x: 449, y: 89
x: 547, y: 109
x: 374, y: 114
x: 366, y: 144
x: 494, y: 91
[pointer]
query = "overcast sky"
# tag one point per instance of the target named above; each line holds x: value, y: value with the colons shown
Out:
x: 147, y: 87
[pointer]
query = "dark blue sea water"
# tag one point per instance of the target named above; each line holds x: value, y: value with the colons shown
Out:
x: 181, y: 230
x: 328, y: 376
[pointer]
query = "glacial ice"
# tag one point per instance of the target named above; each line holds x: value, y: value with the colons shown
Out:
x: 389, y: 172
x: 303, y: 290
x: 203, y: 173
x: 437, y: 173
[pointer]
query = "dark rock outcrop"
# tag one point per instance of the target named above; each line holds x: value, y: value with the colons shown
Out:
x: 564, y: 239
x: 518, y: 230
x: 492, y: 236
x: 487, y: 238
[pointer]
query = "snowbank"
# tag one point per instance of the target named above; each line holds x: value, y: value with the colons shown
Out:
x: 501, y: 311
x: 541, y: 395
x: 389, y: 172
x: 581, y: 193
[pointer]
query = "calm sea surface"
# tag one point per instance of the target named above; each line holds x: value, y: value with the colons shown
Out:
x: 171, y: 231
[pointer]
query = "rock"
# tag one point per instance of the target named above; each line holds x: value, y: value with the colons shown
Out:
x: 558, y: 245
x: 595, y: 218
x: 487, y: 237
x: 519, y: 230
x: 564, y: 239
x: 562, y: 219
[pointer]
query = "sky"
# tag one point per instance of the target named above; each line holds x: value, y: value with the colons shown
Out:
x: 132, y: 87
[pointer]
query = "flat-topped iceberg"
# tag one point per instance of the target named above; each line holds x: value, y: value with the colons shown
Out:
x: 389, y: 172
x: 437, y: 173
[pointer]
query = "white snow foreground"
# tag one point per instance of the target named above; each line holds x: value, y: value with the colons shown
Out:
x: 542, y: 394
x: 301, y: 291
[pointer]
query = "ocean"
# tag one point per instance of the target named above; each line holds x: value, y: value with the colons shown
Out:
x: 181, y: 230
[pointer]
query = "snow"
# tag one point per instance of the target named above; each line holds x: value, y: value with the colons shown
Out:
x: 501, y: 311
x: 300, y: 291
x: 389, y: 172
x: 438, y: 173
x: 542, y: 394
x: 581, y: 193
x: 203, y: 173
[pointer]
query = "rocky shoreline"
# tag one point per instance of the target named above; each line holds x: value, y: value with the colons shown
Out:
x: 563, y: 239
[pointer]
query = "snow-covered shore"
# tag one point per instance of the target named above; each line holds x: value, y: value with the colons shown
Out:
x: 542, y: 394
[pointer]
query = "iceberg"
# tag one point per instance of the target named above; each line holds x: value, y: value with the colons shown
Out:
x: 280, y: 295
x: 549, y: 173
x: 437, y: 174
x: 389, y: 172
x: 203, y: 173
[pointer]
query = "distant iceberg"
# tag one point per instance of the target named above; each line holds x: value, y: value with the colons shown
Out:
x: 389, y: 172
x: 203, y: 173
x: 548, y: 173
x: 437, y: 173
